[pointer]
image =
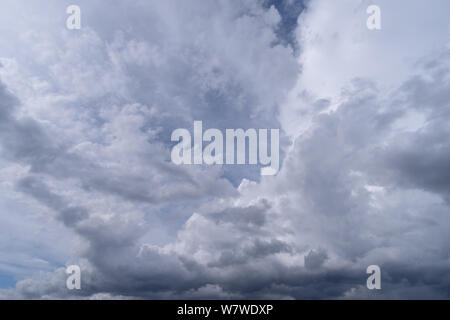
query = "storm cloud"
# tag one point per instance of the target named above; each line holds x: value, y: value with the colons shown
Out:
x: 85, y: 123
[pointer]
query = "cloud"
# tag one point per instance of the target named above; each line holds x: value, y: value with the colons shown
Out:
x: 315, y: 260
x: 86, y: 119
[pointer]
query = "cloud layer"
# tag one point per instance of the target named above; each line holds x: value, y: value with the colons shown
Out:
x: 86, y: 177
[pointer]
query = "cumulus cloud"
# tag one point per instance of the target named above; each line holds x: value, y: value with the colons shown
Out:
x: 85, y: 125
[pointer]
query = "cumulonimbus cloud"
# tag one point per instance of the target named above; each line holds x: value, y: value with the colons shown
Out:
x: 86, y: 139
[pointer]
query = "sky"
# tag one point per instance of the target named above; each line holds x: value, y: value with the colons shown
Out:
x: 86, y: 177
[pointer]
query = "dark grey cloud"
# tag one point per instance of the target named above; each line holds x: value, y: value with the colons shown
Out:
x: 420, y: 159
x: 315, y: 259
x: 69, y: 215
